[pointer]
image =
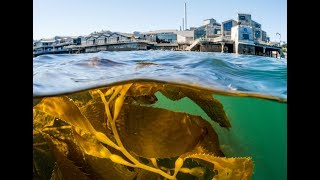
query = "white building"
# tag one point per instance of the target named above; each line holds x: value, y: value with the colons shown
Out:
x: 185, y: 37
x: 242, y: 35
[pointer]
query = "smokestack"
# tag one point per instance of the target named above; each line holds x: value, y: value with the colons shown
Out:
x: 185, y: 13
x: 182, y: 23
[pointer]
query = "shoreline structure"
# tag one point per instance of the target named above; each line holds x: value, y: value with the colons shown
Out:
x: 244, y: 36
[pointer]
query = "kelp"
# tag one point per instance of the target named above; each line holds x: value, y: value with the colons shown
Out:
x: 227, y: 168
x: 145, y: 131
x: 212, y: 107
x: 65, y: 168
x: 111, y: 132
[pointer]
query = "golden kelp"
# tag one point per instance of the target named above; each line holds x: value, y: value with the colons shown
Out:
x: 112, y: 132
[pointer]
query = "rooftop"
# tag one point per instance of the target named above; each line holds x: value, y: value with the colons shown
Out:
x: 161, y: 31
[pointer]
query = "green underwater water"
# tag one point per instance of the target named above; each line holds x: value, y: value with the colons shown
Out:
x: 258, y: 130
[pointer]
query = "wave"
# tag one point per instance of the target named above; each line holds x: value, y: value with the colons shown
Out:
x: 65, y: 73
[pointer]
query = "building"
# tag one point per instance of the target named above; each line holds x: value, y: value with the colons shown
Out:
x: 264, y: 36
x: 209, y: 21
x: 243, y: 38
x: 244, y: 19
x: 55, y: 45
x: 138, y: 35
x: 106, y: 38
x: 256, y: 31
x: 226, y: 27
x: 43, y: 46
x: 161, y: 36
x: 90, y: 40
x: 185, y: 37
x: 102, y: 39
x: 209, y: 29
x: 259, y: 34
x: 199, y: 33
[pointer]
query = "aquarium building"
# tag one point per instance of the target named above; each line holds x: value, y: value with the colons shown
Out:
x: 244, y: 36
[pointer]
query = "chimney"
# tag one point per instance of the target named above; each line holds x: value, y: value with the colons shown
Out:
x: 182, y: 23
x: 185, y: 14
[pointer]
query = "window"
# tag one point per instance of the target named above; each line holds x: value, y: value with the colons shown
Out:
x: 227, y: 26
x: 242, y: 18
x: 257, y: 34
x: 245, y: 36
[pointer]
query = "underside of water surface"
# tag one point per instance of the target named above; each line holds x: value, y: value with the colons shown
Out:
x: 156, y: 130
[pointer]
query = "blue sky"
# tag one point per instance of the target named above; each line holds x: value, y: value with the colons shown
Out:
x: 81, y: 17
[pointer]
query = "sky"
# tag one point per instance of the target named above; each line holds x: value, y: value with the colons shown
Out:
x: 82, y: 17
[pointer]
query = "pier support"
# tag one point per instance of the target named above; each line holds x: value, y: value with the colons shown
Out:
x: 222, y: 47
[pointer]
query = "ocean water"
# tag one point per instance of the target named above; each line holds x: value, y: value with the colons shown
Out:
x: 259, y: 130
x: 241, y: 97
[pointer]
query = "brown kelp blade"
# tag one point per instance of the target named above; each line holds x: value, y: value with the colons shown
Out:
x: 65, y: 109
x: 41, y: 120
x: 94, y: 111
x: 158, y: 133
x: 212, y: 107
x: 172, y: 92
x: 228, y: 168
x: 142, y: 93
x: 66, y: 168
x: 91, y: 147
x: 56, y: 173
x: 209, y: 142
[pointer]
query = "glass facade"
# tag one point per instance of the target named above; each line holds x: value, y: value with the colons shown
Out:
x: 257, y: 34
x: 167, y: 37
x: 264, y: 36
x: 227, y: 26
x: 199, y: 33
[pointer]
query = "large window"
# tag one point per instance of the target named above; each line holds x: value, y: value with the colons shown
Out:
x: 199, y: 33
x: 245, y: 36
x: 227, y: 26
